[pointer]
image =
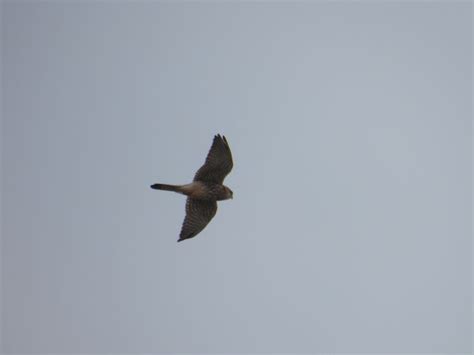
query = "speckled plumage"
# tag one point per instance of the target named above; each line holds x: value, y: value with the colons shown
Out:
x: 206, y: 189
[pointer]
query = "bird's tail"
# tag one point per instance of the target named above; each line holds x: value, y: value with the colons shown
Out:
x: 166, y: 187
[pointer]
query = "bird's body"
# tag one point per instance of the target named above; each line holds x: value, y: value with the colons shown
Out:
x: 206, y: 189
x: 198, y: 190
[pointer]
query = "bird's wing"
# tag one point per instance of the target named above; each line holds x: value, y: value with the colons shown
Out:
x: 198, y: 214
x: 218, y: 162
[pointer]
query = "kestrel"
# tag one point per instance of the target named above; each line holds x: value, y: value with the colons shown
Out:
x: 206, y: 189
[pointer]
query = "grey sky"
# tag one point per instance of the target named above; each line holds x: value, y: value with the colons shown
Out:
x: 350, y: 227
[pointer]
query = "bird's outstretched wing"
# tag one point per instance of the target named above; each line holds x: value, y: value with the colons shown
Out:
x: 198, y: 214
x: 218, y: 162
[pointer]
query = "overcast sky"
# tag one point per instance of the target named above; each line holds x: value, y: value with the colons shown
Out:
x: 350, y: 126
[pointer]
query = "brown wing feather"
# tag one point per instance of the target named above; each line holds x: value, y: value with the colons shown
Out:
x: 198, y: 214
x: 218, y: 162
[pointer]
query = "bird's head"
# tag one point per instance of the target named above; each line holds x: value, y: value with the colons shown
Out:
x: 228, y: 193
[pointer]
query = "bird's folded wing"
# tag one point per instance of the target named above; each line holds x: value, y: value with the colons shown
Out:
x: 198, y: 214
x: 218, y: 162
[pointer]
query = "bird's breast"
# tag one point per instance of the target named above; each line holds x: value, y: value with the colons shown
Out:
x: 196, y: 190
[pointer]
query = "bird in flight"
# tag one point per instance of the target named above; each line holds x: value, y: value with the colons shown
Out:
x: 206, y: 189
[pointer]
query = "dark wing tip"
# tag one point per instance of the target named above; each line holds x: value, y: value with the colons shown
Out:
x: 182, y: 237
x: 188, y: 236
x: 222, y: 138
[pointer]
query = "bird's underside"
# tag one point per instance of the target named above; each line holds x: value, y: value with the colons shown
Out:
x: 206, y: 189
